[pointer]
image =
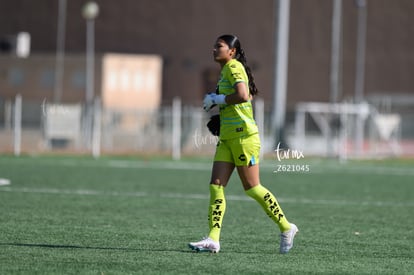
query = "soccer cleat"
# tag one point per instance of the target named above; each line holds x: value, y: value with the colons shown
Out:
x: 286, y: 239
x: 205, y: 245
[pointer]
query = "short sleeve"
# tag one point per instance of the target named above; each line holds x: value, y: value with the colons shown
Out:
x: 236, y: 73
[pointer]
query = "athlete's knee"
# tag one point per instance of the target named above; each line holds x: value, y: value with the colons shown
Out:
x: 216, y: 182
x: 248, y: 186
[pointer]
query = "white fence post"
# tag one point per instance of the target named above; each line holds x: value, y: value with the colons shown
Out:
x: 8, y: 111
x: 176, y: 128
x: 300, y: 127
x: 259, y: 116
x: 96, y: 130
x: 17, y: 125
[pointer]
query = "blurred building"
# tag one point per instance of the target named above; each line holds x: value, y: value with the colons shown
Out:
x: 182, y: 32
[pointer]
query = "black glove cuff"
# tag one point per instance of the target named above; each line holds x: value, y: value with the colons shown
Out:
x: 214, y: 125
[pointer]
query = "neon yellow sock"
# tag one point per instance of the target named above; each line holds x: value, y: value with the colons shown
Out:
x: 216, y: 211
x: 269, y: 203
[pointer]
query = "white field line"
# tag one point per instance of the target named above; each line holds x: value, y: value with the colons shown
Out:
x: 82, y: 192
x: 370, y: 170
x: 314, y: 167
x: 4, y: 182
x: 163, y: 165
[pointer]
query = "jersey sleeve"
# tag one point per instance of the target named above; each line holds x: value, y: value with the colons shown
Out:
x: 236, y: 73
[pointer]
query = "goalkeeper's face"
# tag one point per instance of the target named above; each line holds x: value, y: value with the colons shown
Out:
x: 222, y: 53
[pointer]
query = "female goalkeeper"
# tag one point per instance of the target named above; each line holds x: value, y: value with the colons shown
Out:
x: 238, y: 145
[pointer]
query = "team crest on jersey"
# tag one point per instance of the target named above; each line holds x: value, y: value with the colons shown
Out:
x: 233, y: 66
x: 236, y: 75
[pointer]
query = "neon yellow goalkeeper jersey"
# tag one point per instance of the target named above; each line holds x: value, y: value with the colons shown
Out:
x: 235, y: 120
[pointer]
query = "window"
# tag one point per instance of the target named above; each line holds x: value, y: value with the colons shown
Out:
x: 16, y: 77
x: 78, y: 80
x: 47, y: 79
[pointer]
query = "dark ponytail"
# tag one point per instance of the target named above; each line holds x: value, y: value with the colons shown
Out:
x: 233, y: 42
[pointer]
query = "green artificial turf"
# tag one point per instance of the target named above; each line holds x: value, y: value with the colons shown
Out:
x: 77, y: 215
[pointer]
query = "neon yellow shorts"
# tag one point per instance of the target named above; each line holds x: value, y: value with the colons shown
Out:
x: 243, y: 151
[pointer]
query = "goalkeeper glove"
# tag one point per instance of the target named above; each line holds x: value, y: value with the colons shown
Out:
x: 211, y: 100
x: 214, y: 125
